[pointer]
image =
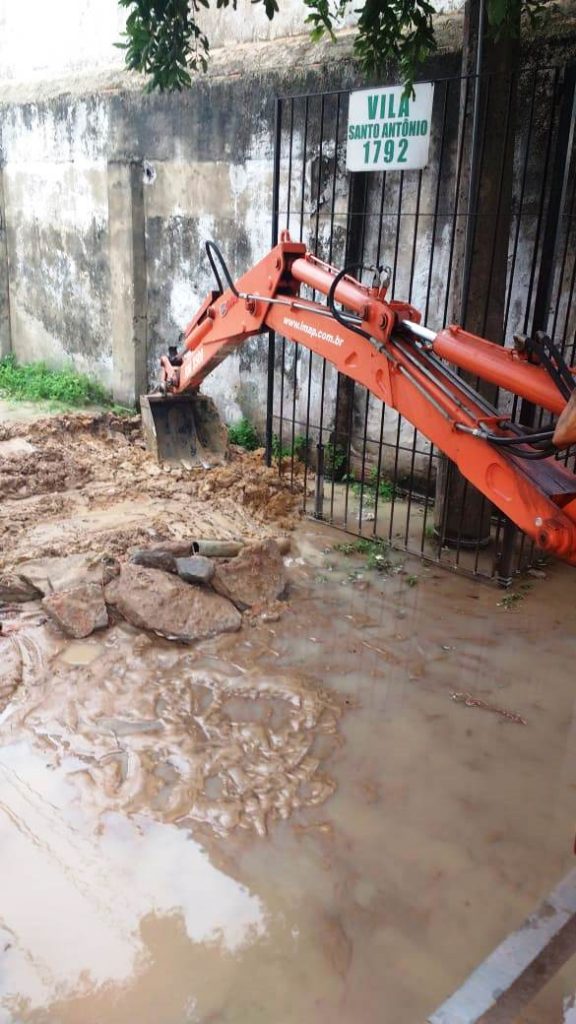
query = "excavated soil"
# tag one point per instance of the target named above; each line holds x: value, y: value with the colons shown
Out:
x: 85, y: 483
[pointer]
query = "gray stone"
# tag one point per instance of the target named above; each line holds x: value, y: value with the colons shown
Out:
x: 196, y: 569
x: 79, y: 610
x: 155, y: 600
x: 256, y: 576
x: 16, y: 588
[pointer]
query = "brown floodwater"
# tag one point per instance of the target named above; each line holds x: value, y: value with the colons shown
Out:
x: 294, y: 824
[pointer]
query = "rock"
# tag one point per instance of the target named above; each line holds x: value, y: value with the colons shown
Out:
x: 154, y: 558
x: 155, y: 600
x: 110, y: 569
x: 256, y: 576
x: 196, y: 569
x: 53, y: 573
x: 79, y: 610
x: 17, y: 588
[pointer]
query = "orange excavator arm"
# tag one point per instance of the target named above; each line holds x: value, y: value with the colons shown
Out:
x: 382, y: 345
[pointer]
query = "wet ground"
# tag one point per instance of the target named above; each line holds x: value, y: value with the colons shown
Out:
x: 294, y: 823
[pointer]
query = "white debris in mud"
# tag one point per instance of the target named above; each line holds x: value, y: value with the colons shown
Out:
x: 157, y: 734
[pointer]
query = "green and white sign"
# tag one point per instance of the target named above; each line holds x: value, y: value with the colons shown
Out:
x: 388, y: 131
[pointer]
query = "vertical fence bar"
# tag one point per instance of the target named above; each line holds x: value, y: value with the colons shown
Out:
x: 274, y: 240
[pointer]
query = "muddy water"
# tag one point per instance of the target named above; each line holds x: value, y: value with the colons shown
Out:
x: 292, y: 824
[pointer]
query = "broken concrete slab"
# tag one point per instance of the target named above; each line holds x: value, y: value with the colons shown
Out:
x: 155, y: 600
x: 16, y: 588
x: 256, y: 576
x: 78, y: 611
x: 53, y: 573
x: 196, y: 569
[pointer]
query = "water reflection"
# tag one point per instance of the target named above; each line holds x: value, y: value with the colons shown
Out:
x: 74, y: 896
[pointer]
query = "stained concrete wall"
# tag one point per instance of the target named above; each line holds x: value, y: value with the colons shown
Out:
x: 5, y: 337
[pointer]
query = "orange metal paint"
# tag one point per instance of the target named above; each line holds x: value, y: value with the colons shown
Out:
x: 539, y: 496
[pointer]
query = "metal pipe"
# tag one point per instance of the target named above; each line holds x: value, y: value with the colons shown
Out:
x: 499, y: 366
x: 350, y: 294
x: 229, y: 548
x: 418, y: 330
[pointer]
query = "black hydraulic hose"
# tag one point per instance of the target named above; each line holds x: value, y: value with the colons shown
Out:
x: 533, y: 439
x: 518, y: 453
x: 214, y: 269
x: 211, y: 247
x: 330, y: 300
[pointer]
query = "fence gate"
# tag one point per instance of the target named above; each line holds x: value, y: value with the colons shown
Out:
x: 485, y: 240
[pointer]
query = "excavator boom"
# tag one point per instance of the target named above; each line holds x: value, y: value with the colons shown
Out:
x: 382, y: 345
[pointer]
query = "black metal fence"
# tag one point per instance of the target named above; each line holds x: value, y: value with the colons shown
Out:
x: 485, y: 235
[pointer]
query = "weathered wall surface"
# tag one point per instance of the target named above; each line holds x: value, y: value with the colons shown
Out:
x: 57, y: 233
x: 207, y: 170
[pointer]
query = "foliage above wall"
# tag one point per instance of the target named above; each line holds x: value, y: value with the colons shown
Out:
x: 164, y: 39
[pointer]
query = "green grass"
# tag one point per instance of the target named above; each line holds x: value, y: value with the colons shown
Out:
x: 372, y: 486
x: 244, y: 435
x: 376, y: 550
x: 36, y: 382
x: 285, y: 451
x: 334, y: 461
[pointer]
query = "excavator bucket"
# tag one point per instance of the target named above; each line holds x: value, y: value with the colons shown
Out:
x: 184, y: 430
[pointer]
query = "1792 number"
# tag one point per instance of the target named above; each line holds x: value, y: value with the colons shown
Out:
x: 385, y: 151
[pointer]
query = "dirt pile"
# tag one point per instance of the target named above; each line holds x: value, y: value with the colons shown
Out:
x: 247, y: 480
x: 27, y: 471
x: 85, y: 483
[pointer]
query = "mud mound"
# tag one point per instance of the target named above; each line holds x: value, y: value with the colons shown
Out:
x: 81, y: 482
x: 253, y: 485
x: 52, y: 468
x: 99, y: 424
